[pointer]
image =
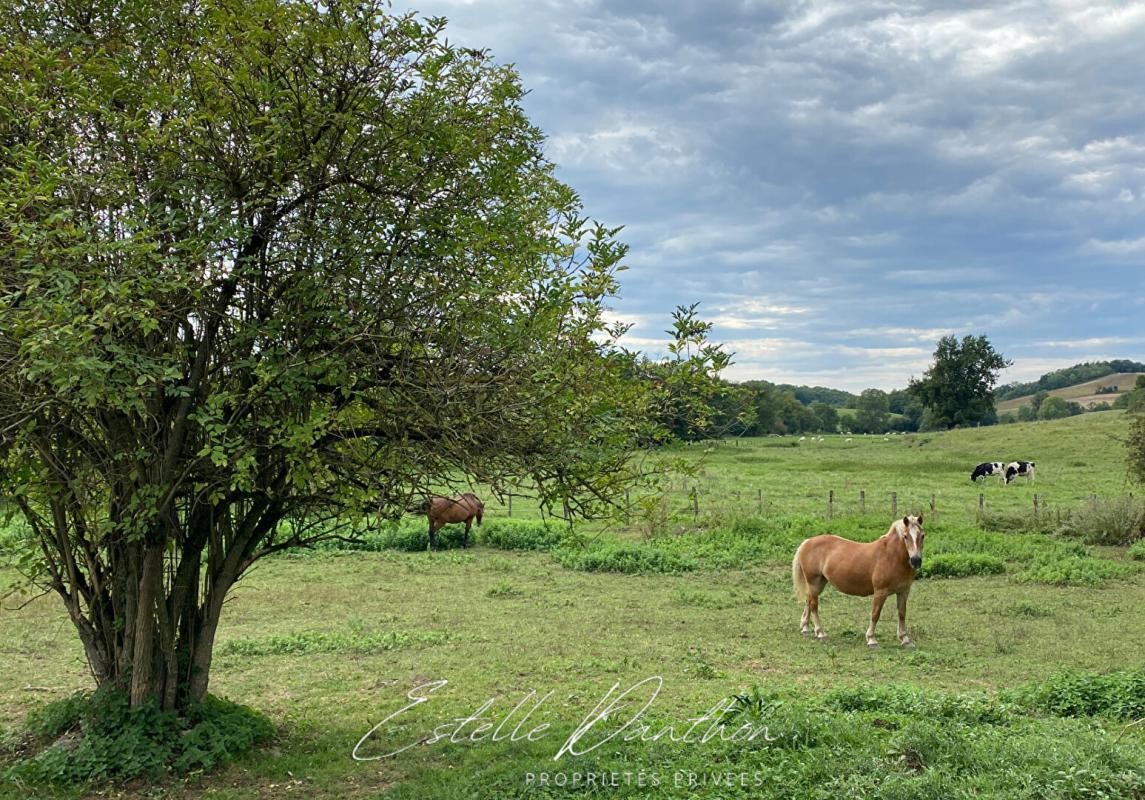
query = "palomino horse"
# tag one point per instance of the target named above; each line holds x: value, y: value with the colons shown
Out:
x: 881, y: 568
x: 444, y: 510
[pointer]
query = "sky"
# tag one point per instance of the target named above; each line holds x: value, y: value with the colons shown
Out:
x: 839, y: 184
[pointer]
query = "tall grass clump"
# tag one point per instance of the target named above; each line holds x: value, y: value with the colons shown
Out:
x: 1018, y: 521
x: 1107, y: 520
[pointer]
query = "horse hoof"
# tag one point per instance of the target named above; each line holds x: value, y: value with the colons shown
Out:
x: 872, y: 645
x: 805, y: 632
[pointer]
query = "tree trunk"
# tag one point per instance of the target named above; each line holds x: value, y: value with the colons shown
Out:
x: 147, y: 680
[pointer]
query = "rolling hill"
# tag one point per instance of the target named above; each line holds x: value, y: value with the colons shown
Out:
x: 1085, y: 393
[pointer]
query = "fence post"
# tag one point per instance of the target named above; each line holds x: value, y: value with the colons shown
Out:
x: 759, y: 500
x: 627, y: 508
x: 932, y: 511
x: 510, y: 504
x: 1035, y: 506
x: 695, y: 503
x: 862, y: 501
x: 981, y: 506
x: 894, y: 505
x: 831, y: 504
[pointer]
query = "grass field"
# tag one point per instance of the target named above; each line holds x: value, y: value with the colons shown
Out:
x: 1001, y: 698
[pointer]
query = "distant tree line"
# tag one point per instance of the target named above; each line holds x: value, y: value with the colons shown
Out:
x: 1060, y: 378
x: 956, y: 391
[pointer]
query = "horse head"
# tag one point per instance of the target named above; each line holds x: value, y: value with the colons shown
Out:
x: 909, y: 529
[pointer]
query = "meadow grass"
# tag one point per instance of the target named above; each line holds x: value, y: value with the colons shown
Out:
x: 1026, y: 682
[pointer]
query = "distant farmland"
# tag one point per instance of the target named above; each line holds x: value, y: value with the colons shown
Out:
x: 1083, y: 393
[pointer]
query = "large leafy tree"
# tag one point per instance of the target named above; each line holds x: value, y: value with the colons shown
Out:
x: 265, y: 265
x: 689, y: 401
x: 958, y: 389
x: 873, y: 412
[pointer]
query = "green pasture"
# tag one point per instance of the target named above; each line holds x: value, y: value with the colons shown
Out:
x: 1076, y: 458
x: 1028, y: 679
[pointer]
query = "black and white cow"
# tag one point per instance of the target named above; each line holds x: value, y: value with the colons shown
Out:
x: 989, y: 468
x: 1016, y: 468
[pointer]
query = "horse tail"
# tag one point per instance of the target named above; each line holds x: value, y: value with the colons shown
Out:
x: 798, y: 579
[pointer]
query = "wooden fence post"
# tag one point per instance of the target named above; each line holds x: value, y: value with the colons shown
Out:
x: 627, y: 507
x: 759, y: 500
x: 695, y: 503
x: 510, y: 504
x: 932, y: 511
x: 830, y: 504
x: 862, y: 501
x: 894, y: 505
x: 981, y: 506
x: 1035, y: 506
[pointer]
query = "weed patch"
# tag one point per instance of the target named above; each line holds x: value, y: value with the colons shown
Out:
x: 98, y: 737
x: 627, y: 557
x: 323, y: 642
x: 961, y: 565
x: 1073, y: 571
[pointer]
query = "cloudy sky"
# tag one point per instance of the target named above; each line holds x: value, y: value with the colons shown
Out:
x: 841, y: 183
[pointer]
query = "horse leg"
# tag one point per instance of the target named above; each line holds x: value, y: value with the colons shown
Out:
x: 876, y: 610
x: 432, y: 536
x: 904, y: 637
x: 465, y: 539
x: 813, y: 591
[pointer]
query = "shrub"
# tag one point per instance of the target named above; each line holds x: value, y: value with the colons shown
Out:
x: 960, y: 565
x: 114, y: 742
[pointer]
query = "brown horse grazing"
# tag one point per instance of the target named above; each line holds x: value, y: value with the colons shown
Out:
x: 444, y: 510
x: 881, y: 568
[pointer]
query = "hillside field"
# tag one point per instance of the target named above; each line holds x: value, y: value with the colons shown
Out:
x: 1084, y: 393
x: 1004, y: 696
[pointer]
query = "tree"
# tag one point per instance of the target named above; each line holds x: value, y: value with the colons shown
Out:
x: 1037, y: 400
x: 266, y: 267
x: 873, y: 412
x: 827, y: 418
x: 689, y: 399
x: 1054, y: 407
x: 958, y: 387
x: 1135, y: 448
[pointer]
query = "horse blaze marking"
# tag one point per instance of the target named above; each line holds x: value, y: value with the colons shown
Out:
x: 880, y: 568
